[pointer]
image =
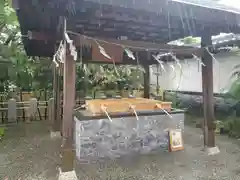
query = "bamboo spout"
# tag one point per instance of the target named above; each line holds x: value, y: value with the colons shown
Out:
x: 104, y: 109
x: 159, y: 106
x: 80, y: 107
x: 132, y: 108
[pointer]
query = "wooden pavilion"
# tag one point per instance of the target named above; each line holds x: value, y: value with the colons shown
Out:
x: 46, y: 24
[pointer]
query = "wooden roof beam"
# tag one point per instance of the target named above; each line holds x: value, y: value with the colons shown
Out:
x: 139, y: 46
x: 41, y: 36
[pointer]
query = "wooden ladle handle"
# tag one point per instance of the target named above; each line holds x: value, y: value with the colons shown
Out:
x: 158, y: 106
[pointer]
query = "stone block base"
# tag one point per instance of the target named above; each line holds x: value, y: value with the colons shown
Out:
x: 55, y: 134
x: 71, y: 175
x: 101, y: 139
x: 212, y: 151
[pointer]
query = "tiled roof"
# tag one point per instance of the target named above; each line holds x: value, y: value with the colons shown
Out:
x: 218, y: 41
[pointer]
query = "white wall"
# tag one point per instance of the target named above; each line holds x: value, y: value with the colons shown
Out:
x: 191, y: 78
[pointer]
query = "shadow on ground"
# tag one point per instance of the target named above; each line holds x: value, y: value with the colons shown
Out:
x: 28, y: 153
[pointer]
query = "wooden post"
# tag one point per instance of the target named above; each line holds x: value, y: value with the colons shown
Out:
x: 208, y: 98
x: 59, y: 100
x: 146, y: 82
x: 51, y: 110
x: 157, y: 74
x: 147, y: 77
x: 54, y: 95
x: 56, y: 86
x: 12, y: 111
x: 68, y: 153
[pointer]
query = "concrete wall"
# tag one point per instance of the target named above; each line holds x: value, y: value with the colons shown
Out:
x: 190, y: 79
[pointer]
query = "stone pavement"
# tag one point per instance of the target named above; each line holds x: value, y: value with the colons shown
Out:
x: 28, y: 153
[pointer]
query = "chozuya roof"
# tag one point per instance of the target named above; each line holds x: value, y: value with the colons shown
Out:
x: 158, y: 21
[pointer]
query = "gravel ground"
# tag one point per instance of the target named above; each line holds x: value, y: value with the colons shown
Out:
x: 28, y: 153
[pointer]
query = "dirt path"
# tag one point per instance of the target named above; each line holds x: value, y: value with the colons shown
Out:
x: 27, y: 153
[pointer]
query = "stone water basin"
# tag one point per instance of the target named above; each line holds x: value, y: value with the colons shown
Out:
x: 96, y: 137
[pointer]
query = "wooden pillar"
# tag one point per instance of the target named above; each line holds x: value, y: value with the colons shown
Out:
x: 83, y: 90
x: 146, y: 82
x: 56, y: 95
x: 157, y: 74
x: 50, y: 110
x: 147, y: 77
x: 68, y: 153
x: 59, y: 100
x: 208, y: 97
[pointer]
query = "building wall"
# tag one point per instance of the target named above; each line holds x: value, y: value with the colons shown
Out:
x: 190, y: 77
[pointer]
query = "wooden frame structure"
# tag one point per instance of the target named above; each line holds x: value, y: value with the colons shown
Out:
x: 158, y: 21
